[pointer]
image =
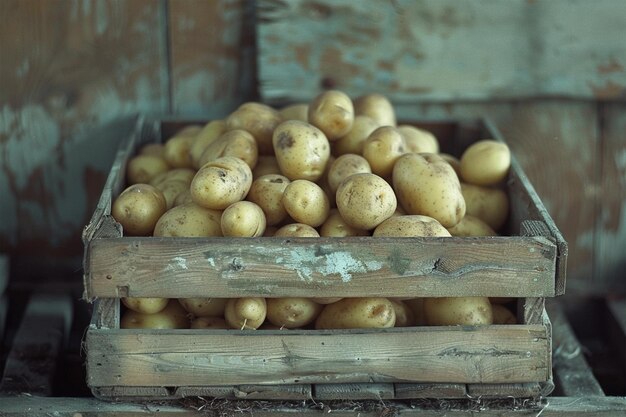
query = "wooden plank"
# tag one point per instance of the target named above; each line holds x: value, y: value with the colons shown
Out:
x: 32, y: 361
x: 530, y: 310
x: 531, y: 390
x: 106, y: 314
x: 412, y: 50
x: 487, y: 354
x: 284, y: 392
x: 413, y: 391
x: 231, y: 267
x: 353, y: 391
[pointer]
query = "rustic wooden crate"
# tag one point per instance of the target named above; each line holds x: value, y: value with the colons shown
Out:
x: 445, y: 362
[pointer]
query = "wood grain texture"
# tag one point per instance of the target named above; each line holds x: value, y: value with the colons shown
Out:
x: 531, y: 390
x: 353, y: 391
x: 411, y: 391
x: 186, y: 358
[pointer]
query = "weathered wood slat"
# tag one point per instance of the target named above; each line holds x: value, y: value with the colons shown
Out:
x: 353, y: 391
x: 489, y: 354
x: 106, y: 314
x: 531, y: 390
x: 412, y: 391
x: 285, y: 392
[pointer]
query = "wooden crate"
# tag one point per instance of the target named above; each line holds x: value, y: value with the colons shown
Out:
x: 417, y: 362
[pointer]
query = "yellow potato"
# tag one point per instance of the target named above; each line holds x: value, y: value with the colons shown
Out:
x: 183, y: 198
x: 357, y: 313
x: 245, y: 313
x: 306, y: 202
x: 237, y: 143
x: 502, y: 315
x: 292, y: 312
x: 171, y: 189
x: 383, y: 148
x: 426, y: 184
x: 209, y: 323
x: 189, y: 220
x: 221, y: 182
x: 259, y: 120
x: 154, y: 149
x: 486, y: 162
x: 138, y: 208
x: 326, y: 300
x: 203, y: 307
x: 471, y: 226
x: 266, y: 165
x: 490, y: 205
x: 296, y: 230
x: 177, y: 151
x: 173, y: 316
x: 298, y: 111
x: 333, y: 113
x: 344, y: 166
x: 336, y: 226
x: 453, y: 161
x: 376, y: 106
x: 145, y: 305
x: 404, y: 315
x: 419, y: 140
x: 410, y: 226
x: 176, y: 174
x: 449, y: 311
x: 353, y: 141
x: 243, y: 219
x: 302, y: 150
x: 267, y: 191
x: 206, y: 136
x: 143, y: 168
x: 365, y: 201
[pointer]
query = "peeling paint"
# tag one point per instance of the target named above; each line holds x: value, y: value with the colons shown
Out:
x: 178, y: 264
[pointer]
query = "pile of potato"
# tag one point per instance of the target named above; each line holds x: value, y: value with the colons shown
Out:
x: 334, y: 168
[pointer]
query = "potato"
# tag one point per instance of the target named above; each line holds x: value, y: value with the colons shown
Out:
x: 183, y: 198
x: 376, y: 106
x: 357, y: 313
x: 210, y: 132
x: 353, y: 141
x: 298, y: 111
x: 243, y: 219
x: 417, y: 308
x: 333, y: 113
x: 502, y: 315
x: 177, y: 151
x: 437, y: 193
x: 326, y: 300
x: 154, y: 149
x: 138, y: 208
x: 383, y: 148
x: 237, y: 143
x: 171, y: 190
x: 449, y: 311
x: 419, y: 140
x: 145, y: 305
x: 221, y: 182
x: 203, y: 307
x: 365, y: 201
x: 306, y: 202
x: 209, y: 323
x: 189, y: 220
x: 344, y: 166
x: 189, y: 130
x: 410, y: 226
x: 296, y: 230
x: 471, y: 226
x: 176, y: 174
x: 245, y: 313
x: 454, y: 163
x: 302, y: 150
x: 404, y: 315
x: 486, y: 162
x: 490, y: 205
x: 292, y: 312
x: 267, y: 191
x: 259, y: 120
x: 143, y: 168
x: 336, y: 226
x: 173, y: 316
x: 266, y: 164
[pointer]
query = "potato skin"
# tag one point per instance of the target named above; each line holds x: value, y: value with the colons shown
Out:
x: 486, y: 162
x: 306, y: 202
x: 298, y: 111
x: 142, y: 169
x: 246, y: 313
x: 237, y: 143
x: 344, y: 166
x: 266, y: 165
x: 333, y: 113
x: 410, y: 226
x: 490, y: 205
x: 502, y: 315
x: 376, y: 106
x: 267, y: 191
x: 138, y: 209
x: 450, y: 311
x: 471, y: 226
x: 296, y: 230
x: 357, y: 313
x: 243, y: 219
x: 292, y: 312
x: 203, y: 307
x: 365, y: 201
x: 173, y: 316
x: 301, y: 150
x: 383, y: 148
x: 210, y: 132
x: 336, y: 226
x: 404, y: 315
x: 353, y: 141
x: 419, y: 140
x: 259, y: 120
x: 221, y: 182
x: 177, y: 151
x: 209, y: 322
x: 145, y: 305
x: 189, y: 220
x: 171, y: 189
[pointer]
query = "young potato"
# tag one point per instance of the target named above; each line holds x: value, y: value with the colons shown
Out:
x: 243, y: 219
x: 245, y: 313
x: 410, y: 226
x: 176, y: 174
x: 450, y: 311
x: 333, y: 113
x: 296, y: 230
x: 177, y: 151
x: 171, y: 189
x: 203, y: 307
x: 209, y: 323
x: 344, y: 166
x: 183, y: 198
x: 404, y: 315
x: 419, y: 140
x: 491, y: 205
x: 336, y: 226
x: 210, y: 132
x: 357, y: 313
x: 453, y: 161
x: 154, y: 149
x: 365, y: 201
x: 502, y: 315
x: 143, y: 168
x: 362, y: 127
x: 292, y: 312
x: 221, y: 182
x: 471, y: 226
x: 485, y: 163
x: 383, y: 148
x: 266, y: 165
x: 259, y: 120
x: 138, y: 209
x: 306, y: 202
x: 145, y: 305
x: 302, y: 150
x: 437, y: 193
x: 189, y: 220
x: 376, y: 106
x: 298, y: 111
x: 173, y: 316
x: 267, y: 191
x: 237, y: 143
